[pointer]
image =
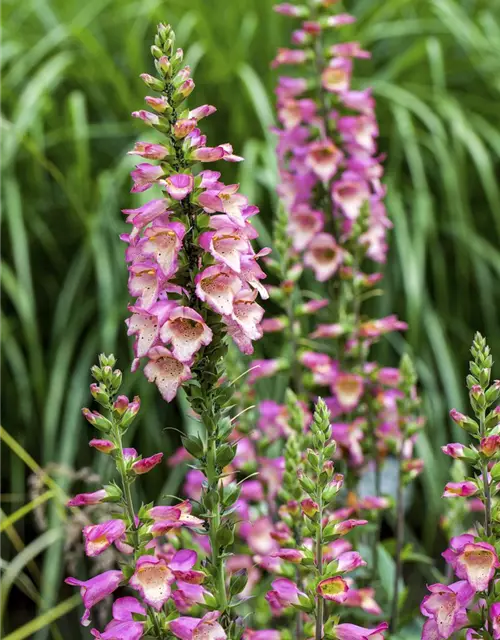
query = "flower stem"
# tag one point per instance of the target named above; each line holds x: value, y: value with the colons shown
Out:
x: 400, y: 531
x: 320, y: 603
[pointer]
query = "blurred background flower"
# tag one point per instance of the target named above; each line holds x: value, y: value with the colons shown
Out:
x: 70, y: 80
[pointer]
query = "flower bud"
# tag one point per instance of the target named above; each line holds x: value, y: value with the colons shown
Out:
x: 97, y: 420
x: 99, y: 393
x: 104, y: 446
x: 160, y: 105
x: 146, y: 464
x: 309, y: 507
x: 153, y: 83
x: 164, y: 66
x: 490, y: 445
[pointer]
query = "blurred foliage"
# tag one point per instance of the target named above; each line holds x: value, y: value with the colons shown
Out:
x: 70, y: 79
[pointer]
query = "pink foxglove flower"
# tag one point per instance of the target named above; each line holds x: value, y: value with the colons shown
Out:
x: 87, y: 498
x: 334, y: 589
x: 99, y: 537
x: 153, y: 580
x: 96, y: 589
x: 460, y: 489
x: 446, y: 607
x: 473, y: 561
x: 346, y: 631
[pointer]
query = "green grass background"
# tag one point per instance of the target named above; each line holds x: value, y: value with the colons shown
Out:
x: 70, y: 80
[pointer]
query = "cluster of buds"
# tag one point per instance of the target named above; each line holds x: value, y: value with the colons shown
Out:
x: 193, y: 272
x: 473, y: 602
x: 318, y: 547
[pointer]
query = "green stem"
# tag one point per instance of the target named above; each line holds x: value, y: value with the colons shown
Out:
x: 320, y: 603
x: 215, y: 523
x: 488, y: 520
x: 400, y: 529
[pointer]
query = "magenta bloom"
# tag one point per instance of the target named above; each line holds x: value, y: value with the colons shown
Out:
x: 96, y: 589
x: 179, y: 185
x: 285, y: 593
x: 363, y: 599
x: 145, y: 175
x: 99, y: 537
x: 455, y: 450
x: 123, y: 626
x: 341, y: 528
x: 152, y: 579
x: 347, y: 631
x: 173, y: 517
x: 104, y: 446
x: 460, y: 489
x: 83, y: 499
x: 349, y: 561
x: 206, y: 628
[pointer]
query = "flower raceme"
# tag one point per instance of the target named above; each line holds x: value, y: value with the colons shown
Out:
x: 191, y: 261
x: 472, y: 602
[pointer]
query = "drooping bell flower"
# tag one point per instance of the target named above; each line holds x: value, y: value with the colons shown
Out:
x: 166, y: 372
x: 186, y: 332
x: 153, y: 580
x: 334, y: 589
x: 346, y: 631
x: 99, y: 537
x: 473, y: 561
x: 446, y: 606
x: 83, y: 499
x: 206, y: 628
x: 96, y: 589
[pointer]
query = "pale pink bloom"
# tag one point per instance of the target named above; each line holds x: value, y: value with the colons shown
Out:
x: 226, y: 200
x: 145, y: 175
x: 96, y: 589
x: 360, y: 130
x: 187, y: 595
x: 142, y: 216
x: 292, y: 112
x: 264, y: 369
x: 145, y: 325
x: 166, y: 372
x: 202, y: 112
x: 226, y: 245
x: 349, y: 561
x: 291, y: 555
x: 99, y: 537
x: 348, y: 389
x: 207, y: 154
x: 284, y: 594
x: 152, y: 579
x: 289, y: 56
x: 258, y: 536
x: 252, y: 274
x: 179, y: 185
x: 313, y: 306
x: 160, y: 105
x: 381, y: 326
x: 149, y: 150
x: 323, y: 157
x: 173, y: 517
x: 265, y: 634
x: 273, y: 325
x: 339, y: 20
x: 475, y: 562
x: 455, y: 450
x: 217, y: 287
x: 346, y: 631
x: 349, y: 50
x: 149, y: 118
x: 323, y: 367
x: 144, y: 283
x: 364, y: 599
x: 184, y: 127
x: 164, y: 241
x: 337, y: 75
x: 324, y: 256
x: 304, y: 224
x: 83, y: 499
x: 288, y: 9
x: 328, y: 331
x: 445, y: 606
x: 333, y: 589
x: 186, y: 332
x: 350, y: 194
x: 460, y: 489
x: 247, y: 314
x: 490, y: 445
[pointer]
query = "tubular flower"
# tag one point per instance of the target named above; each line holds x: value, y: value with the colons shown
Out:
x: 189, y: 252
x: 96, y: 589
